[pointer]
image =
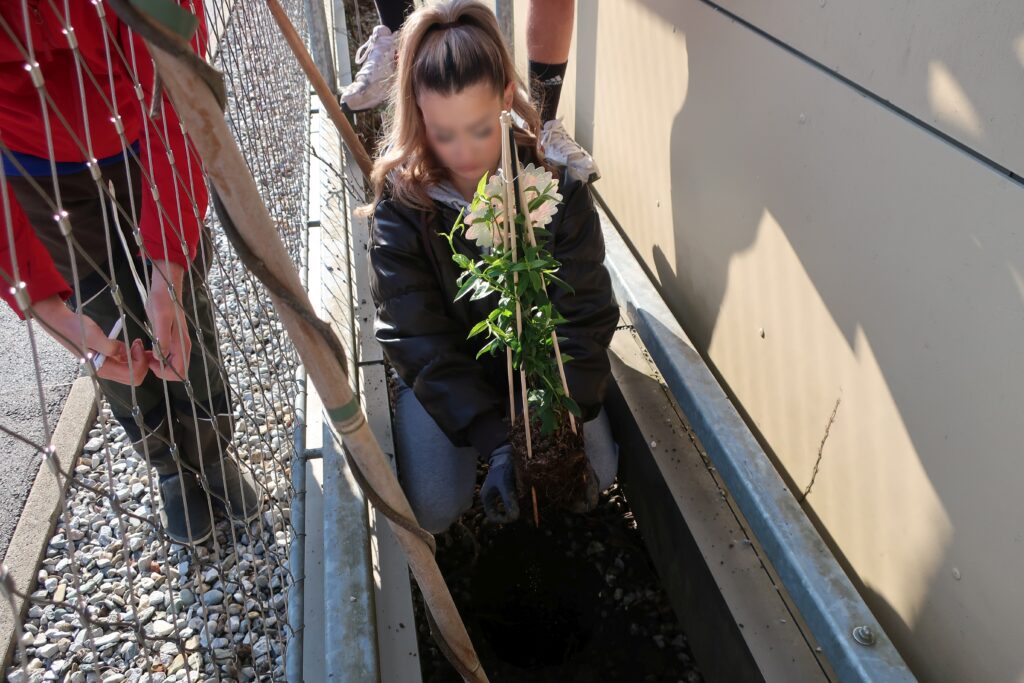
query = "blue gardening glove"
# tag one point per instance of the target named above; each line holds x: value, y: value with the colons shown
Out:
x: 498, y: 493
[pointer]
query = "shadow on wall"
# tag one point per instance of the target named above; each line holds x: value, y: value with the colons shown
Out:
x: 919, y: 279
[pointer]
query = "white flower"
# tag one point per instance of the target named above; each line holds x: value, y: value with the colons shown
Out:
x: 543, y: 214
x: 499, y: 211
x: 476, y: 213
x: 534, y: 177
x: 478, y: 228
x: 482, y: 233
x: 554, y: 194
x: 495, y: 187
x: 492, y: 193
x: 536, y: 180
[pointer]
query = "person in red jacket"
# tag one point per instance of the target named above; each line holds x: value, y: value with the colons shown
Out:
x: 95, y: 165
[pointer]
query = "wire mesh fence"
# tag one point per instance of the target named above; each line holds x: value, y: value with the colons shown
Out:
x: 170, y: 556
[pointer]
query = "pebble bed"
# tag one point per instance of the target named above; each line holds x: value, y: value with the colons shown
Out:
x: 160, y: 610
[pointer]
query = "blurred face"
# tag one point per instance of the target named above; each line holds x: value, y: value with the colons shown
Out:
x: 463, y: 129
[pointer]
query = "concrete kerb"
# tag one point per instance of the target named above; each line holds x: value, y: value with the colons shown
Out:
x: 42, y: 508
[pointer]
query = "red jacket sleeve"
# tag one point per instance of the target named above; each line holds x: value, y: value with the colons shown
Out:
x: 35, y: 267
x: 172, y: 213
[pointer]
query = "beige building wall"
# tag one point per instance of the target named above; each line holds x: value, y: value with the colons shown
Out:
x: 829, y: 252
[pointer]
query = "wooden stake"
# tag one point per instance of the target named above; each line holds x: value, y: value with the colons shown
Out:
x: 510, y: 225
x: 533, y: 242
x: 323, y: 90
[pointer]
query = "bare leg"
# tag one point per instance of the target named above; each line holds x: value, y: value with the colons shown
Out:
x: 549, y: 30
x: 548, y: 37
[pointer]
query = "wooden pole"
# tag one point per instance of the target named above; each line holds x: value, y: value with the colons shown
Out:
x: 323, y: 90
x: 203, y: 119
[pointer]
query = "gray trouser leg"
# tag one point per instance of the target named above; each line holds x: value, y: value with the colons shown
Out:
x: 157, y: 444
x: 438, y: 477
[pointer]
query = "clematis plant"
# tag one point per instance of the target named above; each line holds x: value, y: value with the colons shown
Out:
x: 520, y: 274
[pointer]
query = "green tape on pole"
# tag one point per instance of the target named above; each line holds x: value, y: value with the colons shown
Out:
x: 342, y: 413
x: 170, y: 15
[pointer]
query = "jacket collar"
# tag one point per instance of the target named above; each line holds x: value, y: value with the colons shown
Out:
x: 446, y: 194
x: 443, y: 193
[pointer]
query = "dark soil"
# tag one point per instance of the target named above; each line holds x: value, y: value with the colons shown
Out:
x: 576, y: 600
x: 556, y: 469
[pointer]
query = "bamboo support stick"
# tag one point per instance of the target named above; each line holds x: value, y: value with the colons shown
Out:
x: 554, y: 335
x: 202, y: 117
x: 503, y: 234
x: 510, y: 226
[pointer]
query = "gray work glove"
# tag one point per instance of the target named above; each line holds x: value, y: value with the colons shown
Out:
x: 501, y: 502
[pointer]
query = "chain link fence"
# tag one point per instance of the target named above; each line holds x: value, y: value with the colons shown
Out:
x: 102, y: 195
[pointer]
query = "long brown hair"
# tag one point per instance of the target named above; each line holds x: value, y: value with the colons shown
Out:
x: 444, y: 48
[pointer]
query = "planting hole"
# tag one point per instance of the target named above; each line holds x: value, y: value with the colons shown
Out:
x: 535, y: 605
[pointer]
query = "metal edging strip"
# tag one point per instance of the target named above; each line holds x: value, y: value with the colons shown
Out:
x: 834, y: 611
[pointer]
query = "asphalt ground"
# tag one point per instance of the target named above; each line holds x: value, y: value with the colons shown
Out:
x: 21, y: 410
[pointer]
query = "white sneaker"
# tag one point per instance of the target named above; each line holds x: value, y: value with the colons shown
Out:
x: 560, y: 148
x: 372, y: 83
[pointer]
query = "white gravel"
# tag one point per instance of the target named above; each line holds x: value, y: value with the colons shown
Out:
x: 235, y: 630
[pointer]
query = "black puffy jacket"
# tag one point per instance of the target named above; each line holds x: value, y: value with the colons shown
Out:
x: 423, y: 332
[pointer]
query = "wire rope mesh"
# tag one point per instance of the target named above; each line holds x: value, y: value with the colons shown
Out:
x: 169, y: 560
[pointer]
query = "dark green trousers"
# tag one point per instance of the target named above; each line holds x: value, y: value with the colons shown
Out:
x: 154, y: 411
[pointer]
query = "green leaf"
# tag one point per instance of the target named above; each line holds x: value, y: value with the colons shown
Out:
x: 561, y: 283
x: 489, y: 347
x: 478, y: 328
x: 466, y: 287
x: 547, y: 420
x: 572, y: 406
x: 483, y: 291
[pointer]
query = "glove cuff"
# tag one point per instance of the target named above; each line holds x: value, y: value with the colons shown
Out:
x: 486, y: 432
